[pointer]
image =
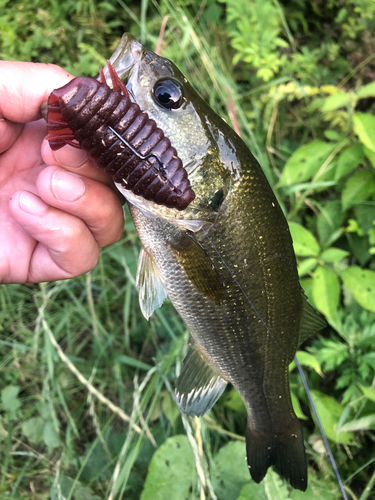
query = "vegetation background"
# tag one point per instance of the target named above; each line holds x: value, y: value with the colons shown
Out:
x: 86, y: 407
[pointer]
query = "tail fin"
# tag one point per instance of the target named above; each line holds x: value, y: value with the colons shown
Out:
x: 285, y: 451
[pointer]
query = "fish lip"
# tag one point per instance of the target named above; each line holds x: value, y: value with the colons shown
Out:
x: 127, y: 54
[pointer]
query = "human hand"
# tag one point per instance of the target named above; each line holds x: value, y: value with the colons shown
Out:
x: 56, y: 208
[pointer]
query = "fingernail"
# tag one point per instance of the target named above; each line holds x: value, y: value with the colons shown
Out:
x: 70, y: 157
x: 32, y: 204
x: 67, y: 186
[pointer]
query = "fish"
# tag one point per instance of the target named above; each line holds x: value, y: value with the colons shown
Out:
x: 226, y: 262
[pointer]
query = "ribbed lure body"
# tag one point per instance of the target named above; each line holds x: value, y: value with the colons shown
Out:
x: 89, y: 114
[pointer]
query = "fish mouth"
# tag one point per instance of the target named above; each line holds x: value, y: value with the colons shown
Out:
x: 127, y: 54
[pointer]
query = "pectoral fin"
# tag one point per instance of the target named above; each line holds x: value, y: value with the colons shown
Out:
x: 198, y: 268
x: 199, y: 385
x: 151, y: 290
x: 311, y: 321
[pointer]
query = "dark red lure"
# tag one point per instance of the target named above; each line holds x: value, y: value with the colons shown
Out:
x: 120, y: 138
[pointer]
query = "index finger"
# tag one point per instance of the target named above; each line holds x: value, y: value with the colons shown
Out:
x: 24, y: 86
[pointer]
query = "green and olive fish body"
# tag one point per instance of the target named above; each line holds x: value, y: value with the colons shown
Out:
x: 227, y: 264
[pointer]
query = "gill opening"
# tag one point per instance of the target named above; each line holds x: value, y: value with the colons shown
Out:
x: 298, y: 364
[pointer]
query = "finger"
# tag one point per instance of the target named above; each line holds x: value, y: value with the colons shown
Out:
x: 9, y: 132
x: 66, y: 247
x: 93, y: 202
x: 25, y: 86
x: 75, y: 160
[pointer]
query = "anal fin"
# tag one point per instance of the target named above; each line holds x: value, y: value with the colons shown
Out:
x: 151, y: 290
x: 199, y: 385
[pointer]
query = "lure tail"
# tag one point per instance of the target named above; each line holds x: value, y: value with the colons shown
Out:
x: 283, y: 450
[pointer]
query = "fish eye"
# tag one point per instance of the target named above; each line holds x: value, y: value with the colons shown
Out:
x: 217, y: 200
x: 168, y: 93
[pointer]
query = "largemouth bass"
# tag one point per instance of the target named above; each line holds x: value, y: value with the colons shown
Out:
x: 227, y: 264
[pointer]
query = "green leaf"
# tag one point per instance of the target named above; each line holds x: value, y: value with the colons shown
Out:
x: 3, y: 432
x: 171, y: 473
x: 307, y: 359
x: 364, y: 127
x: 359, y: 187
x: 307, y: 265
x: 330, y: 411
x: 370, y: 155
x: 361, y: 282
x: 317, y: 489
x: 348, y: 160
x: 231, y: 471
x: 333, y: 255
x: 50, y: 436
x: 252, y: 490
x: 369, y: 392
x: 169, y: 408
x: 304, y: 242
x: 9, y: 398
x: 275, y: 487
x: 297, y: 407
x: 307, y: 285
x: 359, y: 424
x: 305, y: 162
x: 336, y: 101
x: 234, y: 402
x: 366, y: 91
x: 33, y: 429
x: 329, y: 223
x: 326, y: 291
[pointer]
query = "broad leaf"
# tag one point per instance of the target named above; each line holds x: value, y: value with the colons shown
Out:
x: 369, y: 392
x: 366, y: 91
x: 326, y: 291
x: 50, y: 436
x: 317, y: 490
x: 348, y: 160
x: 370, y: 155
x: 306, y: 265
x: 33, y: 429
x: 336, y: 101
x: 171, y: 472
x: 307, y: 359
x: 231, y: 471
x: 333, y: 255
x: 252, y: 490
x: 305, y: 162
x: 9, y: 398
x: 275, y: 487
x: 329, y: 223
x: 364, y: 127
x: 359, y: 187
x: 297, y: 407
x: 361, y: 282
x: 304, y: 242
x: 359, y: 424
x: 330, y: 411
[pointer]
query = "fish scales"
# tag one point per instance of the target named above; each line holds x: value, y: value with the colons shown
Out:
x: 227, y: 264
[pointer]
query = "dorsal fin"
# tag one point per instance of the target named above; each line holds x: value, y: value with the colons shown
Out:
x: 151, y: 290
x: 311, y: 321
x: 199, y: 385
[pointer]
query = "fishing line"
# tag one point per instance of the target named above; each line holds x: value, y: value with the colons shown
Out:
x: 300, y: 370
x: 318, y: 421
